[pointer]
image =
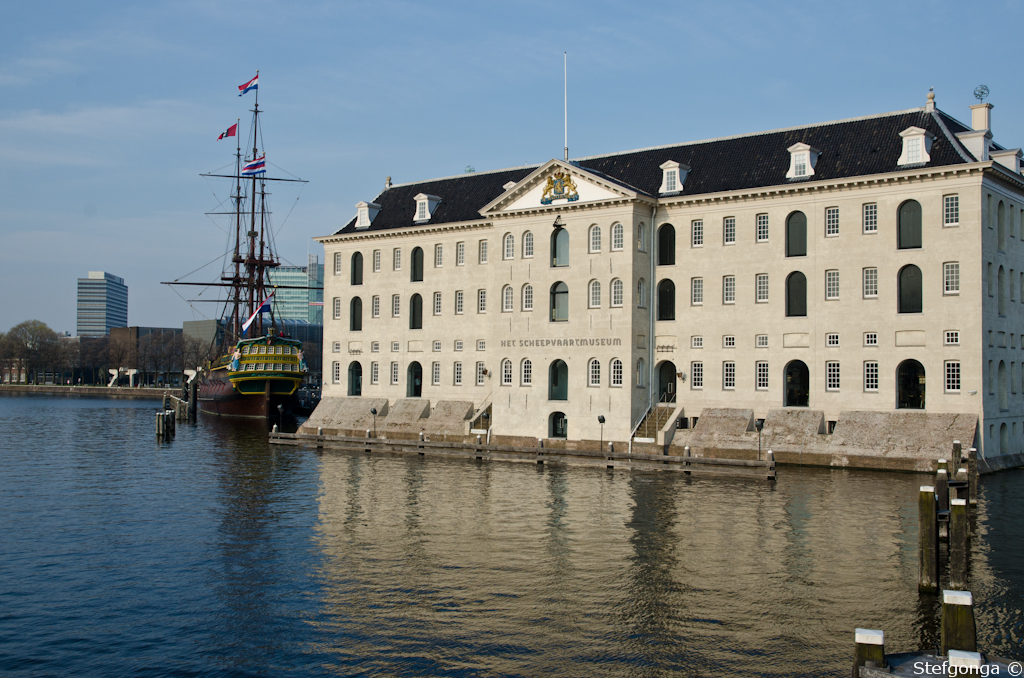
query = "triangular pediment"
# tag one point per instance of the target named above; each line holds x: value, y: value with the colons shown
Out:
x: 557, y: 183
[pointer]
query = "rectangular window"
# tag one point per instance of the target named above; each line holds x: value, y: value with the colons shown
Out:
x: 952, y: 337
x: 437, y: 303
x: 336, y: 348
x: 729, y: 230
x: 394, y: 373
x: 761, y: 288
x: 337, y: 263
x: 870, y: 217
x: 761, y: 383
x: 335, y: 373
x: 396, y: 305
x: 395, y: 346
x: 527, y: 373
x: 337, y: 308
x: 832, y: 375
x: 376, y: 261
x: 594, y: 373
x: 481, y: 345
x: 421, y: 210
x: 670, y: 181
x: 616, y: 373
x: 458, y: 344
x: 437, y: 346
x: 697, y: 291
x: 697, y: 342
x: 762, y: 228
x: 697, y: 375
x: 831, y: 285
x: 457, y: 374
x: 375, y: 306
x: 951, y: 277
x: 697, y: 233
x: 913, y: 150
x: 438, y: 256
x: 729, y: 375
x: 832, y: 339
x: 374, y: 347
x: 871, y: 338
x: 374, y: 372
x: 870, y: 376
x: 870, y: 283
x: 618, y: 237
x: 527, y: 245
x: 458, y: 302
x: 396, y: 259
x: 481, y: 372
x: 831, y: 222
x: 482, y: 252
x: 481, y: 301
x: 729, y: 289
x: 800, y: 165
x: 460, y: 254
x: 952, y: 376
x: 951, y: 210
x: 435, y: 374
x: 761, y: 341
x: 729, y: 341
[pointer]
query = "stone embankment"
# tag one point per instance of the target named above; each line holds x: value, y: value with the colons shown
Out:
x: 93, y: 391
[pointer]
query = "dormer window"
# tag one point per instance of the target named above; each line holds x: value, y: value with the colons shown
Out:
x: 366, y: 212
x: 917, y: 146
x: 425, y: 206
x: 673, y: 176
x: 802, y: 159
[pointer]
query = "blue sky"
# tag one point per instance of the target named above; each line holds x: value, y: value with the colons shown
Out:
x: 109, y: 111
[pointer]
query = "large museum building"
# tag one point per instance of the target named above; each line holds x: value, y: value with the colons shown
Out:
x: 873, y: 264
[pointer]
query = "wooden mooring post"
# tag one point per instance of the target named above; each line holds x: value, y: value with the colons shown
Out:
x: 958, y: 629
x: 959, y: 531
x: 942, y: 494
x: 869, y: 650
x: 972, y: 474
x: 928, y: 581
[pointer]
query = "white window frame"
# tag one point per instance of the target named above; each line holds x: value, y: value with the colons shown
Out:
x: 831, y: 222
x: 729, y: 289
x: 832, y: 381
x: 527, y: 297
x: 396, y: 346
x: 481, y: 373
x: 761, y: 341
x: 950, y: 210
x: 871, y: 376
x: 396, y: 259
x: 832, y: 339
x: 697, y: 341
x: 696, y: 291
x: 335, y: 372
x: 457, y: 373
x: 526, y: 372
x: 460, y: 254
x: 951, y: 278
x: 728, y: 375
x: 458, y: 345
x: 761, y: 225
x: 481, y: 301
x: 951, y: 376
x: 435, y: 373
x: 481, y: 252
x: 869, y: 282
x: 506, y: 372
x: 394, y: 372
x: 374, y: 372
x: 618, y: 293
x: 507, y: 299
x: 618, y: 237
x: 761, y: 381
x: 594, y: 239
x: 337, y: 308
x: 528, y: 245
x: 871, y: 338
x: 396, y: 306
x: 438, y: 306
x: 869, y: 217
x: 336, y: 347
x: 460, y: 298
x: 729, y: 230
x: 438, y: 255
x: 831, y: 285
x: 376, y: 261
x: 374, y: 347
x: 697, y: 375
x: 615, y: 372
x: 337, y: 263
x: 594, y: 373
x: 761, y: 288
x: 594, y: 294
x: 951, y: 337
x: 697, y: 233
x: 481, y: 344
x: 436, y: 346
x: 508, y: 250
x: 375, y: 306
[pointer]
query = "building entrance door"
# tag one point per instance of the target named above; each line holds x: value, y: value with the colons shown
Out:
x: 667, y: 382
x: 414, y: 387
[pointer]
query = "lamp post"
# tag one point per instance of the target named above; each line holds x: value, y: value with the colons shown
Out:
x: 600, y: 420
x: 759, y: 424
x: 373, y: 411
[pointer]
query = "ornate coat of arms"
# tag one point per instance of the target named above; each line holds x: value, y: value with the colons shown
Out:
x: 559, y: 186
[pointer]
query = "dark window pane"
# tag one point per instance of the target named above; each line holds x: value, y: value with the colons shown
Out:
x: 667, y: 245
x: 796, y: 295
x: 909, y: 231
x: 796, y: 235
x: 910, y: 289
x: 666, y: 300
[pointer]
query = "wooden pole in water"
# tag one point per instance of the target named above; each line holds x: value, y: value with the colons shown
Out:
x: 957, y: 451
x: 870, y: 650
x: 958, y: 535
x: 159, y: 428
x: 942, y: 493
x: 193, y: 397
x: 972, y: 473
x: 958, y: 629
x: 928, y: 550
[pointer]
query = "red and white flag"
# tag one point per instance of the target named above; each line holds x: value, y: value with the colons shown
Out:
x: 229, y: 132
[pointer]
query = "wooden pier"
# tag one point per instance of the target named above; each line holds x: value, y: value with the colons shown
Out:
x: 764, y: 470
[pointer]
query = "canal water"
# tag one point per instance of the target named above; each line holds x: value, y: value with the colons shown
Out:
x: 217, y: 554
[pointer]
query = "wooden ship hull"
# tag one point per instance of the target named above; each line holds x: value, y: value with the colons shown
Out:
x: 267, y: 374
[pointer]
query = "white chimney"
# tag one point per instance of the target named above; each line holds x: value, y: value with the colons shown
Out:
x: 981, y: 117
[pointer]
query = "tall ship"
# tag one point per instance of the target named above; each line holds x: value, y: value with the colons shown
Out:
x: 258, y: 369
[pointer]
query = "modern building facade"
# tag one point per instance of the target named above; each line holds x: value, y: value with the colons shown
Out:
x: 102, y: 304
x: 873, y: 264
x: 299, y: 293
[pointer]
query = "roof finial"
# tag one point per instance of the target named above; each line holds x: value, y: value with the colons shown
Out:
x: 930, y: 106
x: 387, y: 183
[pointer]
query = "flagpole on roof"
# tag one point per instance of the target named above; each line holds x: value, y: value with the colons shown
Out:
x: 565, y: 83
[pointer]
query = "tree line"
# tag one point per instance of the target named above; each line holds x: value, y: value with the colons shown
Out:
x: 31, y: 351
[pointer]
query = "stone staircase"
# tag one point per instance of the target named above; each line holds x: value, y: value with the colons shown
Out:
x: 654, y: 422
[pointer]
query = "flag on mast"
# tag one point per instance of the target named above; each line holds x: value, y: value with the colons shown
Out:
x: 229, y: 132
x: 257, y: 166
x: 252, y: 84
x: 264, y: 308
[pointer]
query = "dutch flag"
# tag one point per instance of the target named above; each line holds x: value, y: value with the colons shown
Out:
x: 264, y: 308
x: 257, y: 166
x: 252, y: 84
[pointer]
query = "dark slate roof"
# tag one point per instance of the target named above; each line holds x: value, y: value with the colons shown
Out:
x: 849, y: 148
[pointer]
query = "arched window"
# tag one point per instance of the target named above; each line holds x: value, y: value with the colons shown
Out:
x: 355, y: 315
x: 640, y: 378
x: 618, y: 237
x: 909, y: 283
x: 1004, y: 440
x: 667, y: 245
x: 527, y: 297
x: 527, y: 245
x: 509, y: 249
x: 910, y: 385
x: 416, y: 312
x: 796, y: 235
x: 416, y: 270
x: 908, y: 231
x: 594, y: 372
x: 666, y: 300
x: 506, y: 372
x: 558, y: 425
x: 796, y: 295
x: 414, y: 379
x: 506, y: 298
x: 617, y: 292
x: 526, y: 372
x: 558, y: 381
x: 641, y: 238
x: 560, y: 247
x: 595, y: 294
x: 641, y: 291
x: 1001, y: 226
x: 595, y: 238
x: 355, y: 379
x: 798, y: 384
x: 357, y: 268
x: 616, y: 372
x: 559, y: 302
x: 1001, y: 289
